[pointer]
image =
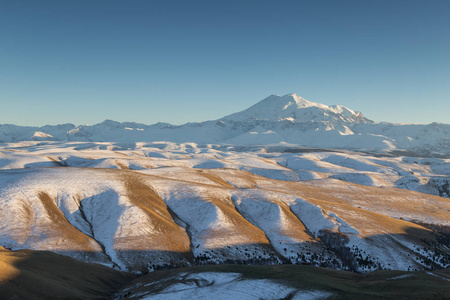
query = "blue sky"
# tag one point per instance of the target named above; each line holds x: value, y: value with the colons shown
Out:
x: 185, y: 61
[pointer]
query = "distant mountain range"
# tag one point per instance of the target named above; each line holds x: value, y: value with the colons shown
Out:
x: 282, y: 120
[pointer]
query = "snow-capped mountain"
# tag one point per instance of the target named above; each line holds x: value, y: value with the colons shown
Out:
x: 281, y: 120
x: 296, y: 109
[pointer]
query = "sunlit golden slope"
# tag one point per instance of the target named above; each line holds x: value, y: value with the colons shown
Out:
x: 137, y: 220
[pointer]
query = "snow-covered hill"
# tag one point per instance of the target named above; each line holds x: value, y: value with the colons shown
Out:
x: 281, y: 120
x: 148, y: 205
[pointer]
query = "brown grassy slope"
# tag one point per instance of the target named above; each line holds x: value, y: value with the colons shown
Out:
x: 391, y: 201
x: 365, y: 208
x: 294, y: 227
x: 355, y: 202
x: 26, y: 274
x: 166, y: 234
x: 234, y: 229
x: 382, y: 200
x: 61, y: 227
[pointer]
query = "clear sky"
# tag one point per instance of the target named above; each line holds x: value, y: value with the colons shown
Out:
x: 185, y: 61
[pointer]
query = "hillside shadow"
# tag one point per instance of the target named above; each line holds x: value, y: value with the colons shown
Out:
x: 47, y: 275
x: 98, y: 217
x: 44, y: 164
x: 425, y: 240
x: 357, y: 178
x: 437, y: 185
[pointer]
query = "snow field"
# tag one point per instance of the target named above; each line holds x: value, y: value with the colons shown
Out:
x: 118, y: 204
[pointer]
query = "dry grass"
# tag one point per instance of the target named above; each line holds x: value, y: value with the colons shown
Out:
x: 372, y: 198
x: 344, y: 199
x: 27, y: 274
x: 74, y: 239
x: 239, y: 231
x: 122, y: 165
x: 217, y: 179
x: 295, y: 227
x: 166, y: 234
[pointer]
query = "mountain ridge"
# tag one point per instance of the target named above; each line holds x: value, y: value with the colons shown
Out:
x: 282, y: 120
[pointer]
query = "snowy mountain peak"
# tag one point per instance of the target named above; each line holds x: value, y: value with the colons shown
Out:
x: 299, y: 101
x: 294, y: 108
